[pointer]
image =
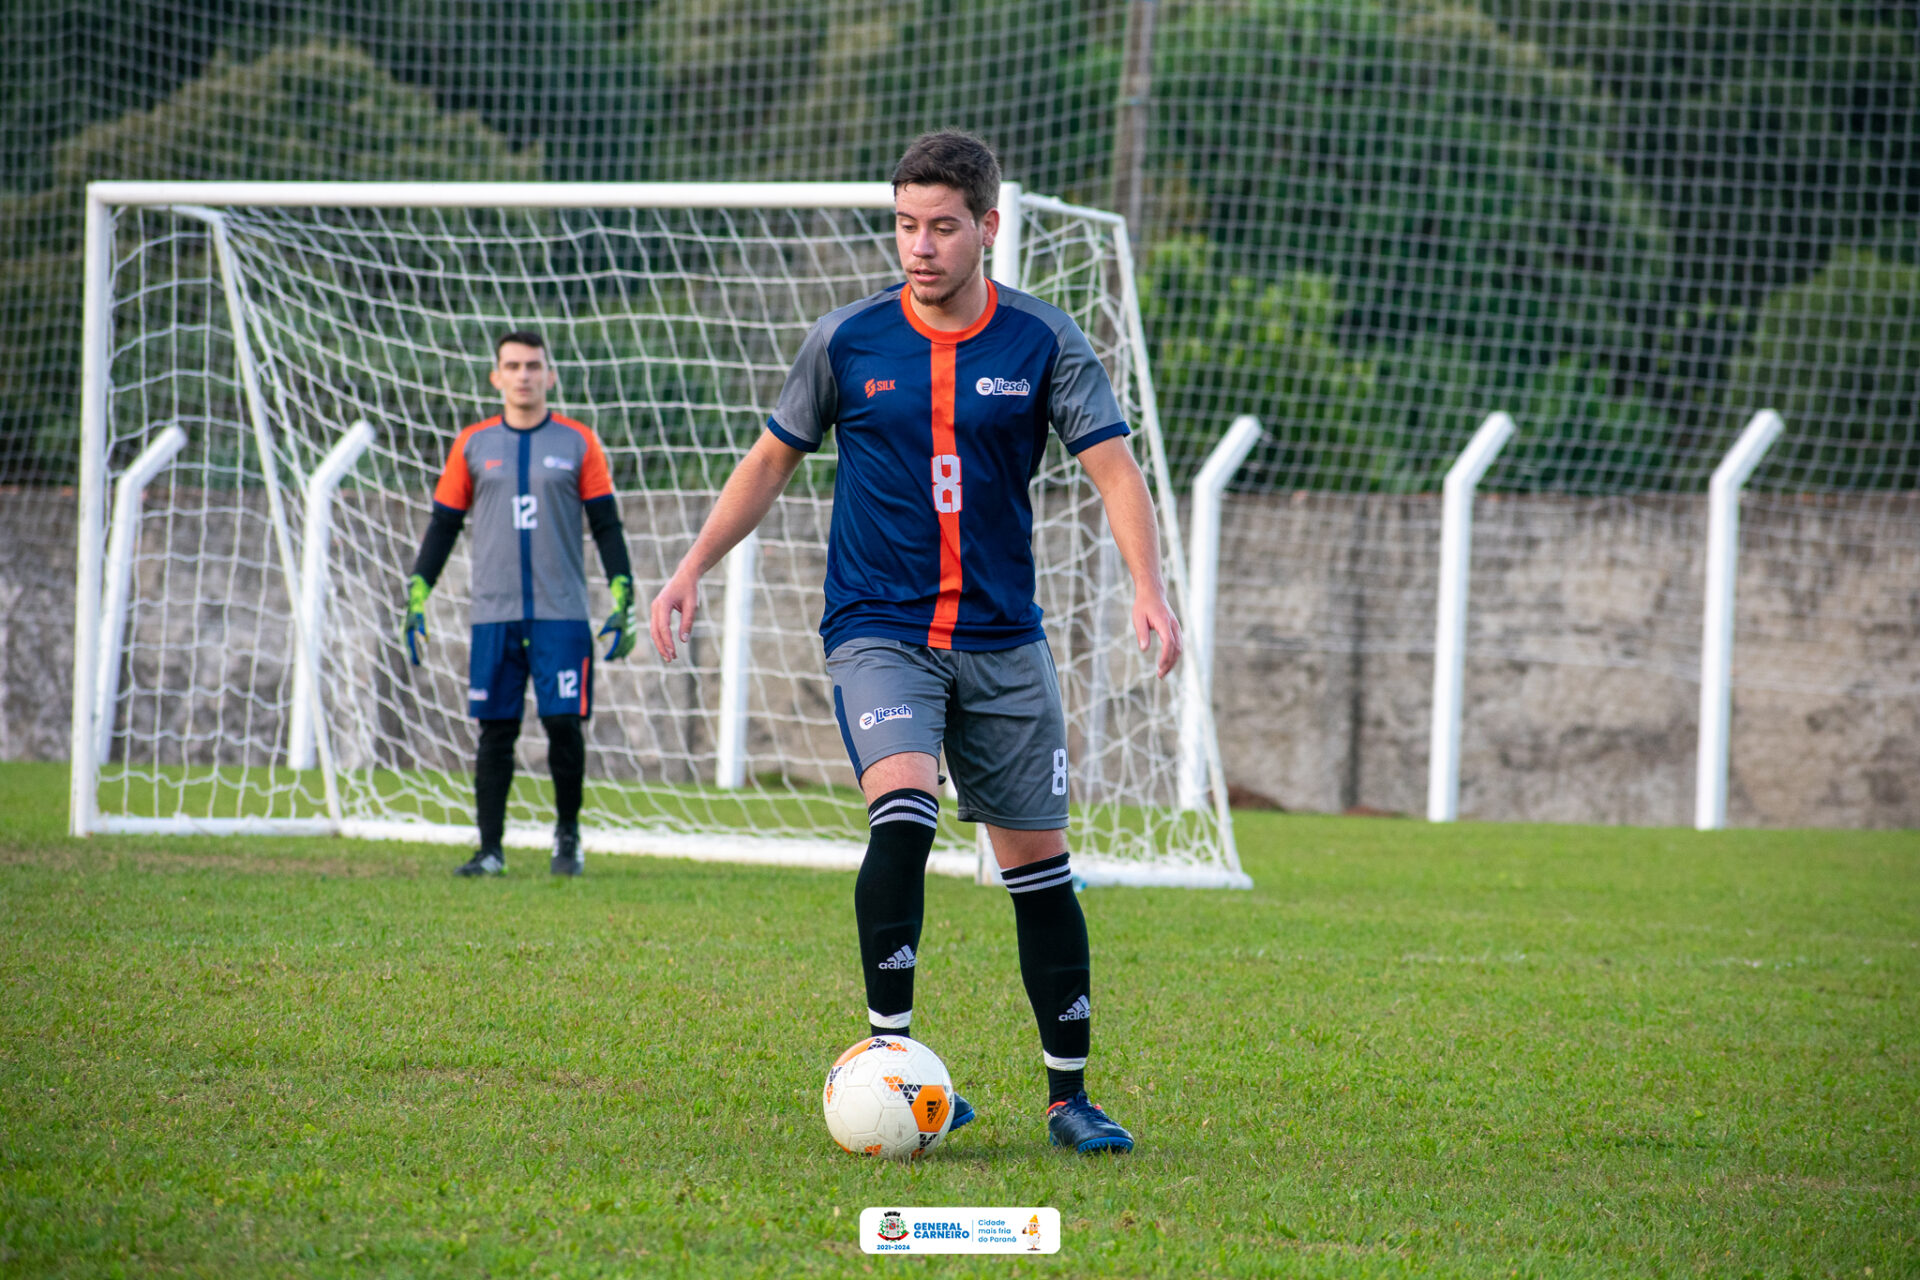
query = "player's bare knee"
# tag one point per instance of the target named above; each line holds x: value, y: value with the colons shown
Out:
x: 914, y: 769
x: 1012, y: 848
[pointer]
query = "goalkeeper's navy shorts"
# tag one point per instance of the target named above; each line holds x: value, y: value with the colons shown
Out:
x: 558, y: 655
x: 996, y: 714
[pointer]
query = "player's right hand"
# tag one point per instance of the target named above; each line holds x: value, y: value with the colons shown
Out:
x: 413, y: 633
x: 681, y: 595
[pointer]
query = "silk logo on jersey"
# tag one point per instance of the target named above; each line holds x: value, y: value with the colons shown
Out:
x: 876, y: 385
x: 492, y: 463
x: 880, y: 715
x: 558, y: 464
x: 1003, y: 387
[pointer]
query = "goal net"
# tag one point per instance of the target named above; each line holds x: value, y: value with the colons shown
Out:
x: 274, y: 378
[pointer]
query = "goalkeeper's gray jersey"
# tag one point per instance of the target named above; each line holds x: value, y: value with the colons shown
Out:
x: 524, y: 494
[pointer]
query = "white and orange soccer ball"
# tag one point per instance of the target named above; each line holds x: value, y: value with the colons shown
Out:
x: 888, y: 1096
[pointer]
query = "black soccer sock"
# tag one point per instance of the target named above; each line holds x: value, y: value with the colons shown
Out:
x: 567, y: 760
x: 493, y: 777
x: 889, y: 902
x: 1054, y: 966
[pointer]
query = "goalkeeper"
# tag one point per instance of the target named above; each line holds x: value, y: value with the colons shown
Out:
x: 527, y: 476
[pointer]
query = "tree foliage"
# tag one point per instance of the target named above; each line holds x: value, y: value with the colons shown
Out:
x: 1369, y: 219
x: 1839, y: 356
x: 314, y: 108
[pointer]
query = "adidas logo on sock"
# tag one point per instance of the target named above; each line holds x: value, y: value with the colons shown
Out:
x: 904, y: 959
x: 1080, y: 1012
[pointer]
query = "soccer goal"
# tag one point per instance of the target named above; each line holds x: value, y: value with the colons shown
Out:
x: 274, y: 374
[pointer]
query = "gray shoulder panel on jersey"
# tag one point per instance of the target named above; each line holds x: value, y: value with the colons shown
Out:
x: 809, y: 403
x: 1081, y: 403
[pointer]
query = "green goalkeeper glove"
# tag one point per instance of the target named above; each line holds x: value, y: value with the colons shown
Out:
x: 414, y: 633
x: 624, y: 625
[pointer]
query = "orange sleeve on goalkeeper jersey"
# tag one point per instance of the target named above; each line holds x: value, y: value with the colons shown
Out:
x: 596, y: 478
x: 456, y: 482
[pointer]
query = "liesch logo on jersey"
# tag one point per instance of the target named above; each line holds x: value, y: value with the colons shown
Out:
x: 1003, y: 387
x: 558, y: 464
x: 876, y: 385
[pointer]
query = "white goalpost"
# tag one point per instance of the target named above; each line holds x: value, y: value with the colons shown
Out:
x: 273, y: 375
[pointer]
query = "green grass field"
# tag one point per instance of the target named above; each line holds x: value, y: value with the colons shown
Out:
x: 1471, y: 1050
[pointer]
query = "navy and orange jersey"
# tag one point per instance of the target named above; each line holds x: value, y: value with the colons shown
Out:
x: 524, y: 493
x: 939, y: 435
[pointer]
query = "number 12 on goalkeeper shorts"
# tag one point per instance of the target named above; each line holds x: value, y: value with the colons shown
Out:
x: 567, y: 684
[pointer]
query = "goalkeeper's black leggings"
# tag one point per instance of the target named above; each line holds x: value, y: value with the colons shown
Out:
x: 493, y: 772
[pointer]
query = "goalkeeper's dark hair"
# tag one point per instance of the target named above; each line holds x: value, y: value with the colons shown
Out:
x: 952, y: 158
x: 525, y: 337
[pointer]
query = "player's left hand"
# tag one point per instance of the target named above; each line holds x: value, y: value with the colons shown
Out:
x: 624, y: 625
x: 413, y: 632
x: 1152, y: 615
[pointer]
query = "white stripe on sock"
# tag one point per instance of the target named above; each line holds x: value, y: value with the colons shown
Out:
x: 1064, y: 877
x: 905, y: 810
x: 1064, y: 1064
x: 1032, y: 869
x: 891, y: 1021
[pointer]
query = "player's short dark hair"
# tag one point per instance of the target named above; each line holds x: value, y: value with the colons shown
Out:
x: 525, y: 337
x: 952, y: 158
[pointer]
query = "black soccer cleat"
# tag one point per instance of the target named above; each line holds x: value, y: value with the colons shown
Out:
x: 1079, y: 1124
x: 566, y: 853
x: 484, y: 862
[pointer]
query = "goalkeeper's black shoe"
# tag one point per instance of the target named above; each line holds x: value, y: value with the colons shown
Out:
x: 1079, y: 1124
x: 566, y: 853
x: 484, y: 862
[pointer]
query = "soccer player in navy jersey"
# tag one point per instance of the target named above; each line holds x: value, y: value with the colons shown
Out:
x: 527, y: 476
x: 942, y: 390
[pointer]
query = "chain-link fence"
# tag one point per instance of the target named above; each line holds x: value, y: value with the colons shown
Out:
x: 1629, y: 223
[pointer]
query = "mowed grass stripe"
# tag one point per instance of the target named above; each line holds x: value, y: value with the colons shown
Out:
x: 1470, y: 1050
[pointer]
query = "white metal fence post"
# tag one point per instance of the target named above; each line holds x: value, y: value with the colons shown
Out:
x: 1450, y: 620
x: 125, y: 536
x: 318, y: 534
x: 1203, y: 587
x: 736, y: 658
x: 1716, y: 640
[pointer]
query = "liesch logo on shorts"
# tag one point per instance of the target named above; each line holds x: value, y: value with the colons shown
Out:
x: 880, y: 715
x: 1003, y: 387
x: 477, y: 695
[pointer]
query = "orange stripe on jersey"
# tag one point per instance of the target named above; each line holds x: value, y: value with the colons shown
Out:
x: 596, y: 479
x: 952, y: 337
x: 455, y: 488
x: 946, y: 463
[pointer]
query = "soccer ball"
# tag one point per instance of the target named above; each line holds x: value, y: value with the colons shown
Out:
x: 888, y: 1096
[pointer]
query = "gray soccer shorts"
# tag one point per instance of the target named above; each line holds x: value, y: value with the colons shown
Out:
x: 997, y: 714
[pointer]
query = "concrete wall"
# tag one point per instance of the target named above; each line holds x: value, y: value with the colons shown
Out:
x: 1581, y: 696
